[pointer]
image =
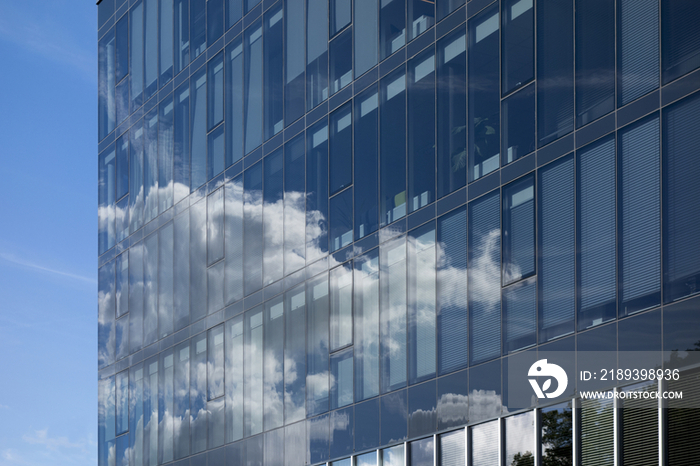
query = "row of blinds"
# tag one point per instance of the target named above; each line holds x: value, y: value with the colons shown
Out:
x: 682, y: 420
x: 597, y: 432
x: 640, y: 427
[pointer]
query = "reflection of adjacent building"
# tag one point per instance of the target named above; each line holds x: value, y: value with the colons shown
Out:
x: 337, y: 232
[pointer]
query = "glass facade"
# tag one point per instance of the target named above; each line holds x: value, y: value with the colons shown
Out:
x: 340, y: 232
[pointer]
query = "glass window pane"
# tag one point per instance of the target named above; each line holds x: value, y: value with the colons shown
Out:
x: 342, y: 433
x: 394, y: 417
x: 341, y: 377
x: 520, y: 439
x: 366, y: 35
x: 217, y: 424
x: 182, y: 34
x: 216, y: 152
x: 341, y: 307
x: 639, y: 419
x: 136, y: 414
x: 421, y: 303
x: 393, y: 314
x: 215, y: 226
x: 518, y: 115
x: 518, y: 230
x: 451, y: 102
x: 198, y: 260
x: 393, y: 456
x: 452, y: 450
x: 273, y: 85
x: 294, y: 205
x: 181, y: 413
x: 215, y: 366
x: 136, y: 44
x: 679, y: 38
x: 597, y: 431
x: 150, y: 48
x: 294, y: 48
x: 122, y: 284
x: 136, y: 297
x: 555, y: 70
x: 393, y: 146
x: 273, y: 206
x: 150, y: 166
x: 106, y: 199
x: 215, y: 106
x: 150, y: 288
x: 253, y: 89
x: 295, y: 356
x: 366, y: 270
x: 150, y: 411
x: 453, y: 401
x: 484, y: 449
x: 421, y: 17
x: 596, y: 233
x: 421, y: 130
x: 198, y: 393
x: 181, y: 271
x: 234, y: 378
x: 105, y: 312
x: 519, y: 316
x: 317, y: 437
x: 392, y: 26
x: 181, y: 165
x: 485, y: 399
x: 341, y: 220
x: 317, y: 346
x: 639, y: 217
x: 484, y: 94
x: 136, y: 177
x: 517, y: 47
x: 317, y: 191
x: 253, y: 228
x: 253, y: 375
x: 681, y: 200
x: 367, y: 431
x: 340, y: 149
x: 366, y: 167
x: 557, y: 248
x: 165, y: 154
x: 122, y: 49
x: 445, y: 7
x: 165, y: 406
x: 316, y: 52
x: 340, y: 16
x: 484, y: 246
x: 421, y: 452
x: 273, y: 371
x: 233, y: 12
x: 198, y: 26
x: 215, y: 20
x: 295, y: 444
x: 166, y: 11
x: 422, y: 416
x: 638, y: 48
x: 595, y: 59
x: 106, y: 73
x: 556, y: 434
x: 233, y: 241
x: 198, y: 129
x: 234, y: 101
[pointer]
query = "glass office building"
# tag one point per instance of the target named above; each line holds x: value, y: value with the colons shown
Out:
x: 345, y: 232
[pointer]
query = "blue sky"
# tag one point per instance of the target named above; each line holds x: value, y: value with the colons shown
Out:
x: 48, y: 247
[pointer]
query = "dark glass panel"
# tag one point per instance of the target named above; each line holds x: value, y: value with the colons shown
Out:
x: 340, y: 159
x: 295, y: 356
x: 274, y: 72
x: 316, y: 52
x: 453, y: 400
x: 198, y: 129
x: 216, y: 152
x: 517, y: 44
x: 122, y: 338
x: 182, y: 34
x: 215, y: 287
x: 135, y: 297
x: 122, y: 49
x: 105, y: 10
x: 215, y: 96
x: 150, y: 166
x: 366, y: 165
x: 181, y: 271
x: 150, y: 56
x: 421, y: 303
x: 445, y: 7
x: 518, y: 124
x: 421, y: 17
x: 122, y: 104
x: 294, y: 49
x: 519, y: 316
x: 340, y: 15
x: 639, y: 217
x: 484, y: 246
x: 234, y: 378
x: 165, y: 64
x: 234, y: 101
x: 253, y: 87
x: 294, y: 205
x: 136, y: 46
x: 679, y: 38
x: 519, y: 230
x: 181, y: 143
x: 366, y: 307
x: 393, y: 315
x: 198, y: 260
x: 136, y: 177
x: 366, y: 35
x: 596, y: 233
x: 484, y: 94
x: 273, y: 370
x: 341, y: 309
x: 198, y: 26
x: 555, y: 70
x: 342, y: 430
x: 485, y: 391
x: 253, y: 375
x: 556, y: 433
x: 122, y: 166
x: 557, y: 249
x: 317, y: 191
x: 422, y: 411
x: 181, y: 412
x: 451, y: 102
x: 273, y: 207
x: 165, y: 153
x: 341, y: 61
x: 341, y: 375
x: 421, y: 130
x: 637, y: 49
x: 122, y: 402
x: 394, y: 415
x: 421, y: 452
x: 234, y: 11
x: 367, y: 429
x: 392, y: 27
x: 215, y: 20
x: 233, y: 241
x: 253, y: 228
x: 150, y: 290
x: 597, y: 431
x: 681, y: 200
x: 341, y: 220
x: 317, y: 346
x: 595, y: 59
x: 392, y: 183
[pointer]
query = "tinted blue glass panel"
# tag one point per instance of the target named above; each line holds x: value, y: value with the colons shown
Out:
x: 136, y: 177
x: 165, y: 405
x: 106, y: 96
x: 295, y: 444
x: 295, y: 355
x: 367, y: 425
x: 198, y: 26
x: 340, y: 15
x: 366, y: 35
x: 517, y: 44
x: 342, y: 429
x: 294, y: 205
x: 215, y: 152
x: 392, y: 169
x: 150, y: 288
x: 596, y: 233
x: 198, y: 393
x: 317, y: 346
x: 181, y: 143
x: 341, y: 61
x: 366, y: 314
x: 317, y: 435
x: 393, y: 314
x: 136, y: 44
x: 122, y: 103
x: 421, y: 130
x: 215, y: 91
x: 557, y: 248
x: 518, y: 123
x: 181, y: 271
x: 555, y: 70
x: 340, y: 169
x: 485, y: 386
x: 421, y: 16
x: 135, y: 297
x: 316, y: 52
x: 452, y: 400
x: 366, y: 166
x: 341, y: 220
x: 166, y: 12
x: 136, y: 414
x: 638, y: 48
x: 198, y: 129
x: 234, y: 11
x: 484, y: 286
x: 273, y: 192
x: 452, y: 291
x: 182, y: 34
x: 233, y: 241
x: 150, y: 55
x: 341, y: 373
x: 317, y: 191
x: 106, y: 197
x: 273, y: 61
x: 253, y: 372
x: 165, y: 280
x: 181, y: 402
x: 122, y: 284
x: 392, y: 27
x: 484, y: 94
x: 421, y: 452
x: 122, y: 166
x: 639, y: 217
x: 234, y: 378
x: 679, y: 38
x: 253, y: 89
x: 273, y: 370
x: 122, y: 49
x: 681, y: 200
x: 198, y: 260
x: 595, y: 59
x: 106, y: 302
x: 394, y: 415
x: 215, y: 20
x: 253, y: 228
x: 422, y: 410
x: 519, y: 316
x: 165, y: 153
x: 519, y: 230
x: 150, y: 166
x: 421, y: 303
x: 451, y: 101
x: 234, y: 101
x: 294, y: 49
x: 445, y: 7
